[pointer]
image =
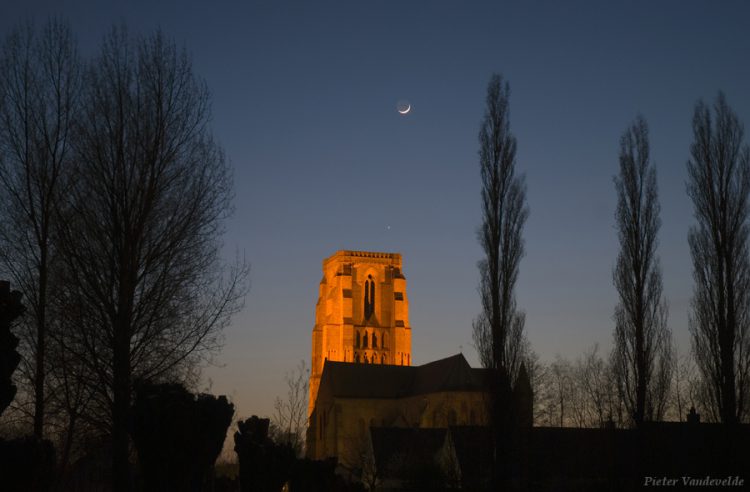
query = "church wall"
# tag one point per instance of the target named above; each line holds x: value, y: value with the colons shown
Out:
x: 339, y: 425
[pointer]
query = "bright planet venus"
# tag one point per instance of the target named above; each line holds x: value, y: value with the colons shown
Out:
x: 403, y: 106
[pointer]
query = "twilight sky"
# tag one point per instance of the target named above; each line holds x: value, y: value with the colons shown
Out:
x: 304, y: 103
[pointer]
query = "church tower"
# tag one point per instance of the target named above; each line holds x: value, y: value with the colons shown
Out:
x: 362, y: 314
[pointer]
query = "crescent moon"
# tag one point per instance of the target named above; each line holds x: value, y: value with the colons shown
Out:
x: 404, y: 111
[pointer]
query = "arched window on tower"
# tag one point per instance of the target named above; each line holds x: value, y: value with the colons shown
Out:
x: 356, y: 341
x: 374, y: 341
x: 356, y: 357
x: 364, y: 341
x: 372, y: 297
x: 367, y: 361
x: 382, y: 359
x: 369, y: 297
x: 383, y: 341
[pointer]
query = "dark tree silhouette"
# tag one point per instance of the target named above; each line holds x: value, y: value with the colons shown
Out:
x: 145, y: 289
x: 719, y: 183
x: 504, y: 214
x: 39, y: 84
x: 643, y: 343
x: 178, y: 436
x: 498, y: 331
x: 10, y: 309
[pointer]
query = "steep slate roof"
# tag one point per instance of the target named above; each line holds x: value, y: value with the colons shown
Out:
x: 352, y: 380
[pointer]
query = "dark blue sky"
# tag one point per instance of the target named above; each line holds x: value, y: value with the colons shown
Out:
x: 304, y: 102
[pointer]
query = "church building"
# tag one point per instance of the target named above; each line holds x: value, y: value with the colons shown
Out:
x: 361, y: 373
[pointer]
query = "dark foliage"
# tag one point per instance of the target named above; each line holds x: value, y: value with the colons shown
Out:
x: 178, y: 436
x: 264, y: 465
x: 10, y: 309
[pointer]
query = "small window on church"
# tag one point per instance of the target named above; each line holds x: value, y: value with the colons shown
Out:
x: 399, y: 296
x: 348, y: 269
x: 356, y: 341
x: 364, y: 341
x: 356, y: 357
x: 383, y: 341
x: 374, y: 341
x: 399, y: 323
x: 367, y: 361
x: 347, y: 293
x: 382, y: 359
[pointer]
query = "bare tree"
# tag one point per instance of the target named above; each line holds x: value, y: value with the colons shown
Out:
x: 643, y: 343
x: 719, y: 183
x: 582, y: 393
x: 145, y: 285
x: 561, y: 391
x: 39, y: 86
x: 504, y: 214
x: 290, y: 414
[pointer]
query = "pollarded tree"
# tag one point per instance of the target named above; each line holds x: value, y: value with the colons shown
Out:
x: 643, y: 342
x: 178, y: 435
x: 719, y: 184
x: 145, y: 287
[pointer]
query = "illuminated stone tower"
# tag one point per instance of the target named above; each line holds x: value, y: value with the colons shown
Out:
x: 362, y: 314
